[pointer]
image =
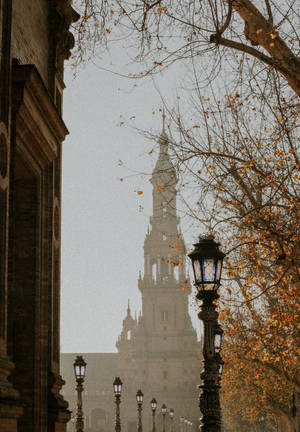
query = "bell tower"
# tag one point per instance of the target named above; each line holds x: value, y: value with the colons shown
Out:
x: 162, y: 355
x: 164, y: 286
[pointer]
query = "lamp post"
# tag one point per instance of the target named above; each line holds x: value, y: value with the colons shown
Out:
x: 186, y: 425
x: 117, y: 385
x: 172, y: 419
x: 181, y: 424
x: 164, y: 412
x: 139, y: 399
x: 153, y: 408
x: 79, y: 372
x: 207, y: 262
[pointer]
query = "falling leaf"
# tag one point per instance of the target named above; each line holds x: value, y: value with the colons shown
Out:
x: 139, y: 192
x: 121, y: 179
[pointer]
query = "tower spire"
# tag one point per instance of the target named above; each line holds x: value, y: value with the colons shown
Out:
x: 128, y: 307
x: 163, y: 121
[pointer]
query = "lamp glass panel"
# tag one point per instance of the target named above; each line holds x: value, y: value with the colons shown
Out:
x: 197, y: 270
x: 218, y: 342
x: 208, y: 270
x: 79, y: 371
x: 117, y: 388
x: 153, y: 405
x: 219, y: 269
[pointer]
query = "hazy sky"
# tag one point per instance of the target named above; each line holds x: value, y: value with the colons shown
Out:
x: 104, y: 220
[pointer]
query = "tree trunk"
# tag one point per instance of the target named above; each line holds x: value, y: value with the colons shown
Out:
x: 260, y: 31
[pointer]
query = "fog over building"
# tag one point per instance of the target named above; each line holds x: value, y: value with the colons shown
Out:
x: 158, y: 351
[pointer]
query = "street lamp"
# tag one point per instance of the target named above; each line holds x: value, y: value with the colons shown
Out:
x: 172, y: 419
x: 79, y: 372
x: 186, y: 425
x: 207, y: 262
x: 164, y: 412
x: 117, y: 385
x: 153, y: 408
x: 139, y: 399
x: 181, y: 424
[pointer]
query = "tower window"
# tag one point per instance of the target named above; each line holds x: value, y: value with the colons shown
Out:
x: 164, y: 237
x: 128, y: 335
x: 164, y: 316
x: 154, y: 271
x: 164, y: 208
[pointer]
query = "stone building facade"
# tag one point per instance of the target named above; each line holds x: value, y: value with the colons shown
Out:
x: 34, y: 43
x: 158, y: 352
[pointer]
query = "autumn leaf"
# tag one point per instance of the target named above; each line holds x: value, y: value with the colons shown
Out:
x: 159, y: 187
x: 108, y: 31
x: 139, y: 192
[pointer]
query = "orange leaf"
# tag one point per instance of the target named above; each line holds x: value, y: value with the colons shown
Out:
x: 139, y: 192
x: 107, y: 31
x: 159, y: 187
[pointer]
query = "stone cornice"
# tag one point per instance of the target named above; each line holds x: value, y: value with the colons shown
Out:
x: 40, y: 129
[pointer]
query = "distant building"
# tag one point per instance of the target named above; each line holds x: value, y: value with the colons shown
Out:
x: 158, y: 352
x: 34, y: 43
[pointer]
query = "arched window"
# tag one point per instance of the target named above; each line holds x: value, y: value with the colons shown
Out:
x: 129, y: 335
x: 154, y: 271
x: 176, y: 273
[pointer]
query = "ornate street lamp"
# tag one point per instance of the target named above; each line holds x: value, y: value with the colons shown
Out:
x: 207, y: 262
x: 139, y: 399
x: 181, y: 424
x: 79, y: 372
x: 153, y: 408
x: 117, y: 385
x: 172, y: 419
x: 164, y: 412
x: 186, y: 425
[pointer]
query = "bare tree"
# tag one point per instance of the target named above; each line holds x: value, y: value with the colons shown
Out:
x: 239, y: 169
x: 161, y: 32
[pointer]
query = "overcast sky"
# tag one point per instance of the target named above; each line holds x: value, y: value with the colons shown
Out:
x: 104, y: 220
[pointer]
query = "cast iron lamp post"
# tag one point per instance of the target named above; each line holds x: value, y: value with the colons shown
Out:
x: 207, y: 262
x: 79, y: 371
x: 139, y: 399
x: 153, y: 408
x: 181, y: 419
x: 186, y: 425
x: 118, y: 390
x: 164, y: 412
x: 172, y: 419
